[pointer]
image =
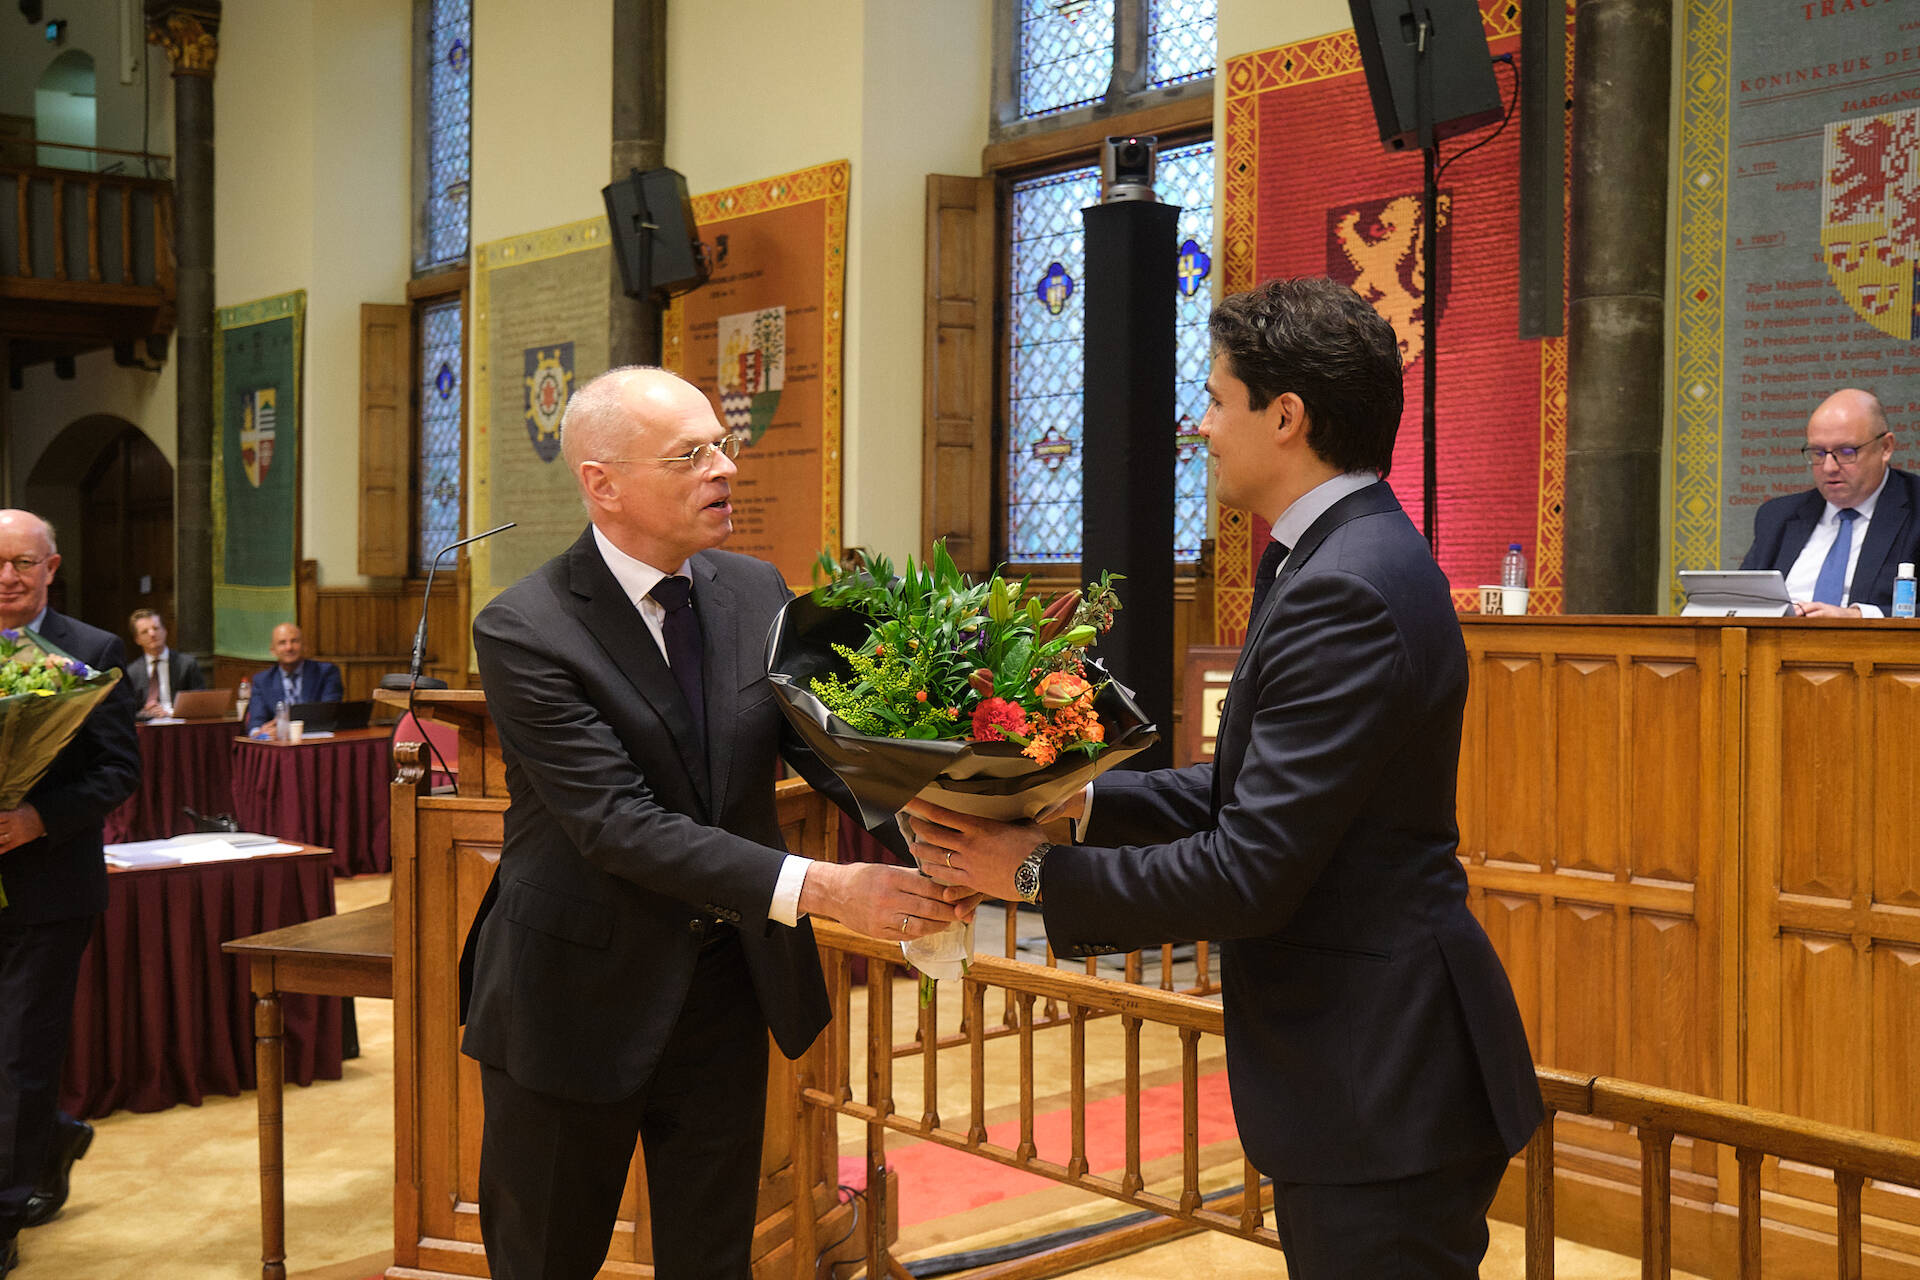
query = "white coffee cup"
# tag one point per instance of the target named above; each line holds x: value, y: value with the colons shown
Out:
x: 294, y: 729
x: 1504, y: 601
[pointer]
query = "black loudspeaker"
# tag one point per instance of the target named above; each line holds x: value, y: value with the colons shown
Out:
x: 1127, y: 467
x: 1460, y: 68
x: 655, y: 237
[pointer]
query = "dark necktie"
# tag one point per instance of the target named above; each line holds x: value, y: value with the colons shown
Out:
x: 681, y: 630
x: 153, y: 682
x: 1263, y: 577
x: 1831, y: 585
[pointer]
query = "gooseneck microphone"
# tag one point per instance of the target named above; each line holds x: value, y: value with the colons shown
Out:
x: 413, y: 679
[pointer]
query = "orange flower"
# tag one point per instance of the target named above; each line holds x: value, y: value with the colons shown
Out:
x: 1062, y: 688
x: 1041, y: 749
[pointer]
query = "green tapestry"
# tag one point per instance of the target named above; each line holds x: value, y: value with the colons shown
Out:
x: 256, y: 471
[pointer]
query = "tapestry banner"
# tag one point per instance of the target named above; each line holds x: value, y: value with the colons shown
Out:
x: 1799, y: 233
x: 539, y: 332
x: 762, y: 339
x: 256, y: 473
x: 1307, y: 189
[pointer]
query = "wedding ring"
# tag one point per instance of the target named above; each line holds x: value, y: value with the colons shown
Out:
x: 903, y: 922
x: 949, y: 857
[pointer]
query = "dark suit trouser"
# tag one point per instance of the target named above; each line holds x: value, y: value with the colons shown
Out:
x: 1432, y: 1226
x: 39, y: 969
x: 552, y: 1171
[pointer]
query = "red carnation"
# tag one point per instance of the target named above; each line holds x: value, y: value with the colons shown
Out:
x: 996, y: 719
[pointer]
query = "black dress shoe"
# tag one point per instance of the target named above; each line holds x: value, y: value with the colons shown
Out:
x: 71, y: 1138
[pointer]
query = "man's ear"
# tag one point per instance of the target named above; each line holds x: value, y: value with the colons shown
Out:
x: 1289, y: 416
x: 599, y: 484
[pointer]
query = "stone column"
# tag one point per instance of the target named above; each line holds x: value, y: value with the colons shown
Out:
x: 1616, y: 304
x: 187, y: 30
x: 639, y: 142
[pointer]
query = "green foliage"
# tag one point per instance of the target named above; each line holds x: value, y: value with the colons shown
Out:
x: 931, y: 629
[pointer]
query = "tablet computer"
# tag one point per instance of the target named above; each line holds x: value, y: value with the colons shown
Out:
x: 1735, y: 593
x: 203, y: 704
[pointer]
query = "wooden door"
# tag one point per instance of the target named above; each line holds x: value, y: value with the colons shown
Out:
x: 126, y: 534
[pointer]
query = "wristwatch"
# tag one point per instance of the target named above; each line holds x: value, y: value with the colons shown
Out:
x: 1026, y: 876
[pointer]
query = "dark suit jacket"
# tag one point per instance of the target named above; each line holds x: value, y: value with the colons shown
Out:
x: 1782, y: 526
x: 63, y: 875
x: 322, y: 684
x: 1371, y: 1031
x: 620, y: 829
x: 183, y: 673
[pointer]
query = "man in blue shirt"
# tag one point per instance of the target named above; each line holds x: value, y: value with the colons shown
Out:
x: 293, y: 681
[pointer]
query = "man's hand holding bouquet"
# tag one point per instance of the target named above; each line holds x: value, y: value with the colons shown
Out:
x: 979, y: 697
x: 44, y: 696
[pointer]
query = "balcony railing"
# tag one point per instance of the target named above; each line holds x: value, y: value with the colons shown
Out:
x: 84, y: 237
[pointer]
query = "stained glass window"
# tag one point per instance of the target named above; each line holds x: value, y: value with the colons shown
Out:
x: 449, y: 118
x: 1180, y: 40
x: 438, y: 464
x: 1065, y: 54
x: 1047, y: 359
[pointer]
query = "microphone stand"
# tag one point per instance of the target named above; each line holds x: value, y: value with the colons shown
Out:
x: 413, y: 679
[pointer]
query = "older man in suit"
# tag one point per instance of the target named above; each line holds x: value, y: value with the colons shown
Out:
x: 1378, y: 1065
x: 1840, y: 543
x: 55, y: 876
x: 645, y: 928
x: 159, y: 673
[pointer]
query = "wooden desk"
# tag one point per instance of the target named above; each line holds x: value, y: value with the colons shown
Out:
x: 344, y: 955
x: 182, y: 762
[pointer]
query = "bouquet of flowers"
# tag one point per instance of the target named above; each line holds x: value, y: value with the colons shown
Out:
x: 44, y: 696
x: 979, y: 696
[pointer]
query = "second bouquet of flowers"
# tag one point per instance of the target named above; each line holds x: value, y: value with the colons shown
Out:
x: 980, y: 696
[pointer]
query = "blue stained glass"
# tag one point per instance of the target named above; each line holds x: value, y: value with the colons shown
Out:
x: 1065, y: 54
x: 438, y: 503
x: 1047, y: 360
x: 1180, y: 40
x: 449, y: 133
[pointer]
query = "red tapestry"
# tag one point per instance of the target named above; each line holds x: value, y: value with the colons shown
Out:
x: 1309, y: 190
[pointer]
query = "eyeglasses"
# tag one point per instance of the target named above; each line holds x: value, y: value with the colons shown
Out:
x: 699, y: 458
x: 1846, y: 455
x: 24, y: 565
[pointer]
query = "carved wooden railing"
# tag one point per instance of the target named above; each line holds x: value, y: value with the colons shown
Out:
x: 1044, y: 997
x: 101, y: 238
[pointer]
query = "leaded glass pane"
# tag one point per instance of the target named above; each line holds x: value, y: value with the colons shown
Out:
x: 438, y: 516
x: 1180, y: 40
x: 1065, y: 54
x: 1047, y: 357
x: 1047, y: 364
x: 449, y: 118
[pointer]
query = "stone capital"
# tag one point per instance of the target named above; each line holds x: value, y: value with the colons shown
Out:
x: 187, y: 30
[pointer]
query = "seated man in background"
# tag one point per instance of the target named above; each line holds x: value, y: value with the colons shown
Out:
x: 1840, y: 543
x: 157, y: 677
x: 292, y: 680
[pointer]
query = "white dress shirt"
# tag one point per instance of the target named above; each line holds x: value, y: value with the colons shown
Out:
x: 637, y: 578
x: 1806, y: 568
x: 158, y: 677
x: 1311, y: 505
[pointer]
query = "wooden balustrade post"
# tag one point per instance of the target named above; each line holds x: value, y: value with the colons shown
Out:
x: 59, y: 228
x: 1077, y: 1083
x: 1750, y: 1162
x: 1540, y: 1201
x: 93, y: 232
x: 1656, y: 1204
x: 1847, y: 1185
x: 1026, y: 1149
x: 1132, y: 1181
x: 976, y: 1001
x: 930, y: 1063
x: 1190, y: 1120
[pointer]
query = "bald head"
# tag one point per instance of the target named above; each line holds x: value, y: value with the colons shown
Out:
x: 28, y: 559
x: 1855, y: 446
x: 607, y: 417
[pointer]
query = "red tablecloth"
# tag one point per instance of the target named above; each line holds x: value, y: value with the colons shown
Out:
x: 161, y: 1016
x: 189, y: 763
x: 330, y: 791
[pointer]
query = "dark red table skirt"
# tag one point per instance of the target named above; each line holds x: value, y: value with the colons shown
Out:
x: 162, y: 1017
x: 180, y: 764
x: 329, y: 791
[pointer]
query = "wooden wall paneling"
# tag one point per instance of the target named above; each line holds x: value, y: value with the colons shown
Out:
x: 1895, y: 1056
x: 1516, y: 773
x: 1894, y: 759
x: 1586, y: 748
x: 1667, y: 790
x: 1584, y: 988
x: 957, y: 412
x: 1821, y: 775
x: 1668, y: 1041
x: 1513, y: 925
x: 386, y: 438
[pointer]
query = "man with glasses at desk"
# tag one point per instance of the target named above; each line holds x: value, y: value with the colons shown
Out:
x: 1840, y: 542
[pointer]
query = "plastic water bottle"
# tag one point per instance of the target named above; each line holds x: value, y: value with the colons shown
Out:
x: 281, y: 718
x: 243, y: 695
x: 1903, y: 591
x: 1513, y: 568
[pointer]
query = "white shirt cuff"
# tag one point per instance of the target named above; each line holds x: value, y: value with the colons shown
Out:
x: 785, y: 907
x: 1079, y: 825
x: 1870, y: 611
